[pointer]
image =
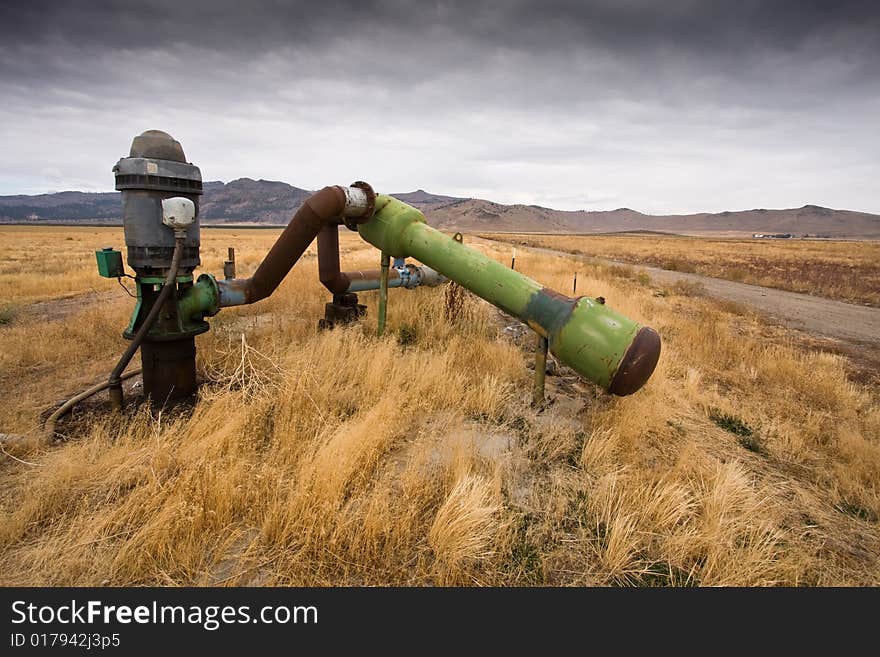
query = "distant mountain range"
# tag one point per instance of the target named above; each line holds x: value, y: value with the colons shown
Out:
x: 266, y: 202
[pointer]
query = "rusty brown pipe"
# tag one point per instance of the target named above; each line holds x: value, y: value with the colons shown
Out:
x: 340, y: 282
x: 328, y: 260
x: 369, y: 276
x: 322, y: 209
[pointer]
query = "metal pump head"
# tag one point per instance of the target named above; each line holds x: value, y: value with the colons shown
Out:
x: 155, y: 170
x: 160, y: 209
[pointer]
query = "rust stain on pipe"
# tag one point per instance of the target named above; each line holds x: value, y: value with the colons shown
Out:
x: 637, y: 364
x: 328, y: 260
x: 339, y: 282
x: 319, y: 208
x: 369, y: 275
x: 323, y: 209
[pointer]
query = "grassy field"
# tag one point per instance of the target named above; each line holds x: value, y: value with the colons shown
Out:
x: 845, y: 271
x: 341, y: 458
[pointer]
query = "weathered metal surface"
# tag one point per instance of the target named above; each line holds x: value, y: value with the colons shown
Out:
x: 157, y: 144
x: 408, y: 277
x: 586, y: 335
x: 415, y: 276
x: 150, y: 244
x: 593, y: 340
x: 232, y: 292
x: 200, y: 300
x: 109, y: 263
x: 153, y: 307
x: 229, y: 265
x: 294, y: 240
x: 638, y: 363
x: 169, y: 371
x: 371, y: 279
x: 400, y: 275
x: 160, y: 195
x: 155, y: 171
x: 328, y: 260
x: 383, y: 291
x: 355, y: 215
x: 320, y: 209
x: 344, y: 309
x: 355, y: 202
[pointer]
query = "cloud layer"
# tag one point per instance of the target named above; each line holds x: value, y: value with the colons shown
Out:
x: 663, y: 107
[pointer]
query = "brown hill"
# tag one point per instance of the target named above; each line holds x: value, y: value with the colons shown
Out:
x: 480, y: 215
x: 272, y: 202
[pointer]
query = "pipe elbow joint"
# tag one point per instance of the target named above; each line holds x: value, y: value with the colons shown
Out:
x: 202, y: 299
x: 236, y: 292
x: 337, y: 284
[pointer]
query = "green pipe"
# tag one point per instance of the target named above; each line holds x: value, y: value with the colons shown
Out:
x: 200, y: 300
x: 602, y: 345
x: 383, y: 292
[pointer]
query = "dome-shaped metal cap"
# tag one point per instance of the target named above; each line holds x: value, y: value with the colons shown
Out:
x: 157, y: 145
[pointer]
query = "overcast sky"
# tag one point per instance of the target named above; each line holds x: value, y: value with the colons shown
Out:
x: 664, y: 106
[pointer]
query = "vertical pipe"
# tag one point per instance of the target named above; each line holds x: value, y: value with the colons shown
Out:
x: 229, y: 265
x: 574, y: 286
x: 513, y: 259
x: 170, y: 286
x: 328, y: 260
x: 383, y: 292
x: 540, y: 370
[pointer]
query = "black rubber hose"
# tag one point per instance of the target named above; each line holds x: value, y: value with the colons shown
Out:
x: 115, y: 380
x: 64, y: 409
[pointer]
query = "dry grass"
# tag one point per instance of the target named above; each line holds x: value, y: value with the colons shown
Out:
x: 846, y: 271
x: 340, y: 458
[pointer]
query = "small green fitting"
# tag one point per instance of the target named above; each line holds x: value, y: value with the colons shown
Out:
x: 201, y: 300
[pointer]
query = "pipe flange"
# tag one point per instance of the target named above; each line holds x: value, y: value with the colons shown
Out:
x: 353, y: 222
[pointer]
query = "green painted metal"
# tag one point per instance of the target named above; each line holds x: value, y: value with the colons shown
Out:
x: 201, y: 300
x: 583, y: 333
x: 385, y: 263
x: 194, y: 303
x: 109, y: 263
x: 130, y: 329
x: 160, y: 280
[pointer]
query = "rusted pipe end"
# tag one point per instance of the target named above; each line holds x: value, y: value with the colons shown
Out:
x: 352, y: 222
x: 371, y: 197
x: 637, y: 364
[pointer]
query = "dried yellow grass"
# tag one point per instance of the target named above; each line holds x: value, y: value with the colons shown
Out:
x: 341, y: 458
x: 842, y: 270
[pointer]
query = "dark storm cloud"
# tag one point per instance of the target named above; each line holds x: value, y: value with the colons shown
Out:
x: 640, y: 25
x: 640, y: 98
x: 529, y: 52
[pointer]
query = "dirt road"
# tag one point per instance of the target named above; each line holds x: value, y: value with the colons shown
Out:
x: 814, y: 315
